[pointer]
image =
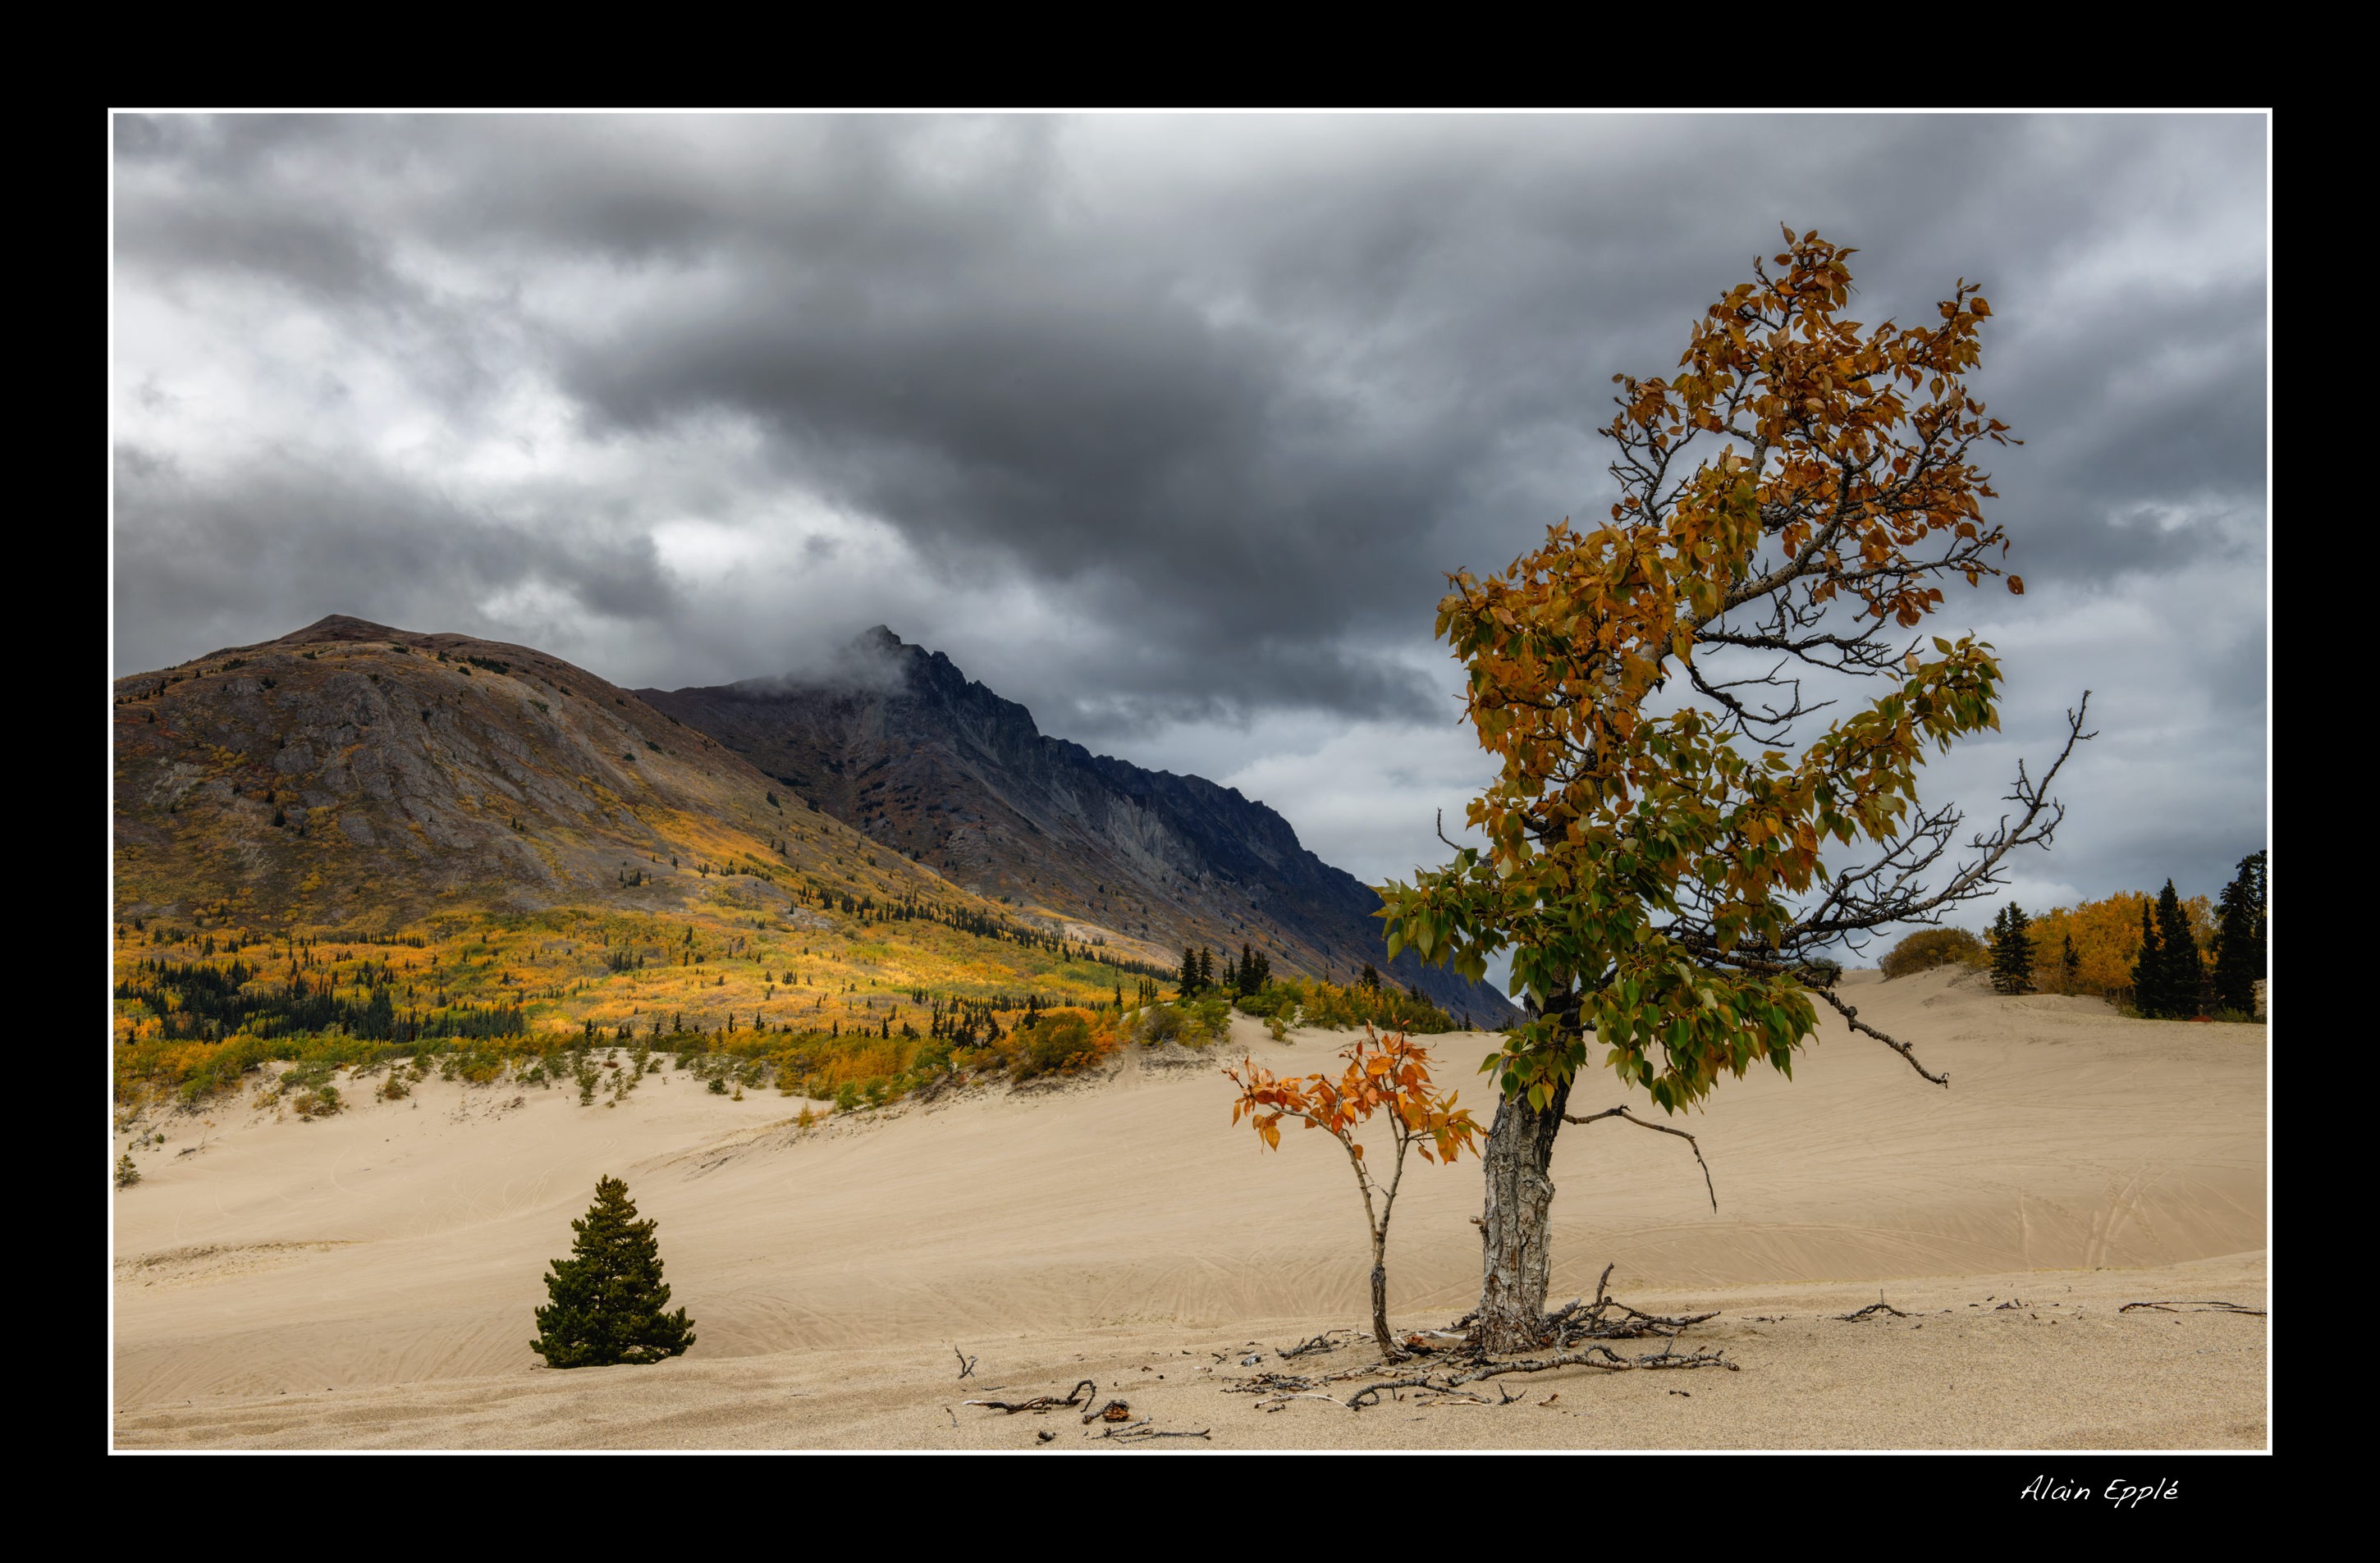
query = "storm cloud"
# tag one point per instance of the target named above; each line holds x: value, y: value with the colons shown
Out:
x: 1169, y: 428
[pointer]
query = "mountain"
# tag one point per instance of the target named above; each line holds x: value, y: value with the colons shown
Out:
x: 897, y: 743
x: 352, y: 775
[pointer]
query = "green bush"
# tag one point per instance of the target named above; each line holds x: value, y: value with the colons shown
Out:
x: 1929, y: 948
x: 1194, y: 1022
x: 126, y: 1173
x: 1158, y: 1023
x: 1277, y: 1001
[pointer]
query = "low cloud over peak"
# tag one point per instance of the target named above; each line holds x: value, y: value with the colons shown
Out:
x: 1168, y: 429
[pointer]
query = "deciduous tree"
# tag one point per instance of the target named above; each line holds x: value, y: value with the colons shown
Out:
x: 1791, y: 501
x: 1384, y: 1075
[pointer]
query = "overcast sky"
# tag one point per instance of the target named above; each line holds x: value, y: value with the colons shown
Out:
x: 1167, y: 428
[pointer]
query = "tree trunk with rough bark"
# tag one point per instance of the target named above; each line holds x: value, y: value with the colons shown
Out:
x: 1516, y: 1230
x: 1380, y: 1298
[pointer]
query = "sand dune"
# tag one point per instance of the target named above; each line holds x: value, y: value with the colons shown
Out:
x: 369, y: 1279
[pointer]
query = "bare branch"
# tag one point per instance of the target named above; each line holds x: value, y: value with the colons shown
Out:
x: 1851, y: 1018
x: 1621, y: 1112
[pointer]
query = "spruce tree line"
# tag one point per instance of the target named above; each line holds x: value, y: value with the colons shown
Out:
x: 2171, y: 978
x: 1241, y: 977
x: 2172, y: 981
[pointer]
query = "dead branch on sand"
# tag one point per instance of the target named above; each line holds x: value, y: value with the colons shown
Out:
x: 2174, y: 1307
x: 1321, y: 1342
x: 1625, y: 1116
x: 966, y: 1364
x: 1878, y: 1307
x: 1039, y: 1402
x: 1141, y: 1432
x: 1602, y: 1358
x: 1608, y: 1319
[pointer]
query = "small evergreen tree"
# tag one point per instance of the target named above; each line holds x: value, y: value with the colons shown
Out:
x: 2185, y: 973
x: 2069, y: 966
x: 2240, y: 937
x: 1206, y: 968
x: 1189, y: 983
x: 2012, y: 950
x: 2148, y: 972
x: 608, y: 1296
x: 126, y: 1174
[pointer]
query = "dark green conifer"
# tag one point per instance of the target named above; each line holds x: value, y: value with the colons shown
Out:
x: 2069, y: 965
x: 2148, y: 972
x: 2185, y: 973
x: 2012, y: 950
x: 608, y: 1296
x: 2240, y: 937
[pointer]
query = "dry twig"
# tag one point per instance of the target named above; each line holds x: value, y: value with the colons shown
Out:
x: 2174, y: 1307
x: 1039, y: 1402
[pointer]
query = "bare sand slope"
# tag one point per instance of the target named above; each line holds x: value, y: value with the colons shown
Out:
x: 370, y: 1278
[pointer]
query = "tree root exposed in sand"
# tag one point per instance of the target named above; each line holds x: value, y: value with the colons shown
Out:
x: 2171, y: 1307
x: 1576, y: 1331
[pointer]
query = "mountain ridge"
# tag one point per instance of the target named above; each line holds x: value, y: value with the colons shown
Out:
x: 895, y: 741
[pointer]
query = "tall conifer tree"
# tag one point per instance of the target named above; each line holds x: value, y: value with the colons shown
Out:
x: 2185, y: 973
x: 2012, y: 950
x: 608, y: 1296
x: 2148, y: 972
x: 2240, y: 937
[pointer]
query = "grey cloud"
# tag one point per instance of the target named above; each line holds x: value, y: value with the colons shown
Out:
x: 1210, y: 406
x: 280, y: 545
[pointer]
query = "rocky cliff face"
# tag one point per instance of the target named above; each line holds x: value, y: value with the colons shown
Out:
x: 899, y: 744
